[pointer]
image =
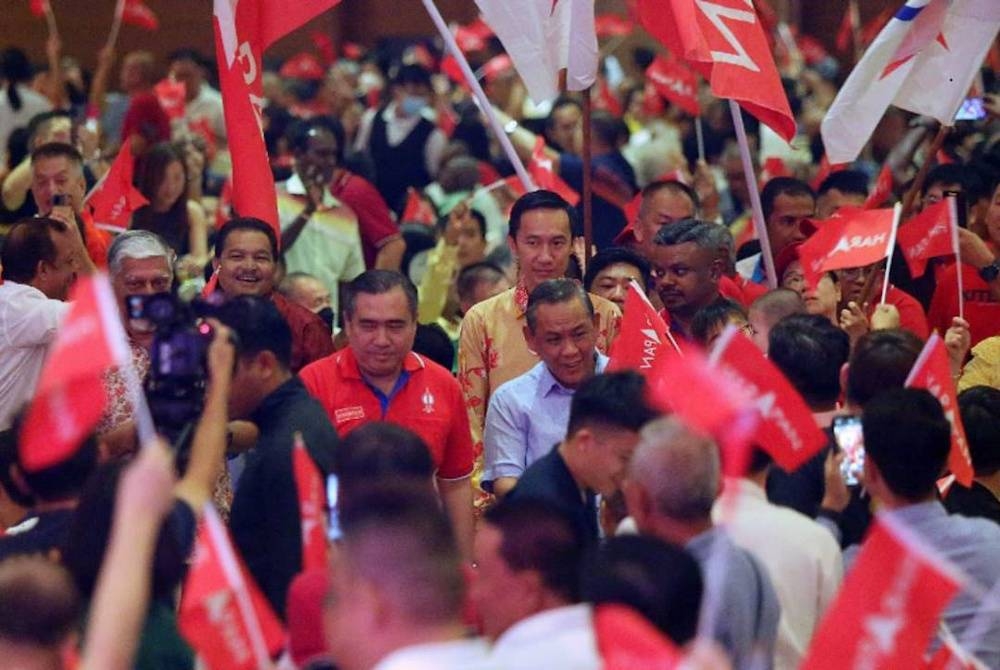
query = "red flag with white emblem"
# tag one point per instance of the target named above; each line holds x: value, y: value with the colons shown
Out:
x: 851, y: 238
x: 223, y: 615
x: 888, y: 607
x: 928, y: 235
x: 675, y: 82
x: 418, y: 210
x: 312, y: 507
x: 70, y: 396
x: 136, y: 13
x: 114, y: 199
x: 643, y: 338
x: 932, y: 371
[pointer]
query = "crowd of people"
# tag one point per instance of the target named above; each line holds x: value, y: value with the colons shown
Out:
x: 439, y: 340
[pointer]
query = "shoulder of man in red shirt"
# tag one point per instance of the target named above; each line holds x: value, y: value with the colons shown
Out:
x: 375, y: 222
x: 311, y: 340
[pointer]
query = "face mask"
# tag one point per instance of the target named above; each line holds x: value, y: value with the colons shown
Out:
x: 413, y: 104
x: 327, y: 315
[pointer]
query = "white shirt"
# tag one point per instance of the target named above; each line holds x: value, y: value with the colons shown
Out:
x: 208, y: 105
x: 397, y: 128
x: 457, y: 655
x: 558, y: 638
x: 801, y: 557
x: 31, y: 104
x: 28, y: 324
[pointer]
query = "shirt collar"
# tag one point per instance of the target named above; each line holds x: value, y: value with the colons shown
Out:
x: 520, y: 298
x: 348, y: 364
x: 546, y: 624
x: 918, y: 512
x: 295, y: 186
x: 548, y: 382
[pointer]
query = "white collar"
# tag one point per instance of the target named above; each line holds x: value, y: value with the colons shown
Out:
x: 295, y: 186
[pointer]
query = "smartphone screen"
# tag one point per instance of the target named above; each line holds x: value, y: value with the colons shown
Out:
x: 333, y: 519
x: 850, y: 439
x: 971, y: 110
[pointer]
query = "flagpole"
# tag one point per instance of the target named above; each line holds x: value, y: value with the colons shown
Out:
x: 918, y: 182
x: 116, y: 23
x: 956, y: 247
x: 699, y: 134
x: 758, y: 212
x: 897, y: 211
x: 480, y: 95
x: 50, y: 19
x: 588, y: 212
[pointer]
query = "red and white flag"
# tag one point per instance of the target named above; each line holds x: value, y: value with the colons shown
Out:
x: 725, y: 42
x: 675, y: 82
x: 242, y: 32
x: 312, y: 508
x: 472, y: 37
x: 950, y: 656
x: 882, y: 189
x: 888, y: 606
x: 613, y: 25
x: 787, y: 429
x: 418, y: 210
x: 70, y: 396
x: 851, y: 238
x: 114, y: 199
x: 544, y: 37
x: 932, y: 371
x: 171, y: 95
x: 495, y: 67
x: 136, y: 13
x: 930, y: 234
x: 223, y: 615
x: 643, y: 339
x: 543, y: 173
x: 923, y: 61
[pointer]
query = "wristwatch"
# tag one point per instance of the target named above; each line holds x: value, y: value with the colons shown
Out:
x: 990, y: 272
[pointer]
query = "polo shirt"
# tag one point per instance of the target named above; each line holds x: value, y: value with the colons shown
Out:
x: 426, y: 400
x: 375, y: 222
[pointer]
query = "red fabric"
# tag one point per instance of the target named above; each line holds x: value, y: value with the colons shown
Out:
x: 887, y: 608
x: 675, y: 82
x: 911, y: 312
x: 418, y: 210
x: 882, y: 190
x: 543, y: 174
x: 473, y: 37
x: 302, y: 66
x: 38, y: 7
x: 311, y: 339
x: 70, y: 396
x: 145, y: 117
x: 312, y: 508
x: 375, y: 222
x: 845, y: 32
x: 950, y: 656
x: 852, y: 238
x: 825, y: 170
x: 223, y: 615
x: 171, y: 96
x: 324, y: 47
x: 496, y: 66
x: 642, y: 340
x: 430, y: 404
x: 928, y: 235
x: 932, y: 371
x: 613, y: 25
x: 787, y: 429
x: 114, y: 200
x: 451, y: 68
x: 136, y: 13
x: 626, y: 641
x: 96, y: 240
x: 982, y: 310
x: 728, y: 30
x: 306, y: 596
x: 627, y: 236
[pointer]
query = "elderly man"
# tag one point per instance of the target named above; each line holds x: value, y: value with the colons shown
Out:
x: 528, y: 414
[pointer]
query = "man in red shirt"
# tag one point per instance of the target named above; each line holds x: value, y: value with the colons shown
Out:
x: 379, y: 378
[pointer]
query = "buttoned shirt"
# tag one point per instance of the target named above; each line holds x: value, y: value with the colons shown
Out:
x: 455, y: 655
x: 558, y: 638
x: 526, y: 416
x: 801, y: 557
x: 28, y: 324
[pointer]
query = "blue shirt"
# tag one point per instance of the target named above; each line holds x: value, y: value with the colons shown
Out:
x: 526, y: 417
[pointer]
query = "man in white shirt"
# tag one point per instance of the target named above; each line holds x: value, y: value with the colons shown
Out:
x: 41, y: 259
x: 202, y: 103
x: 396, y: 589
x: 527, y: 588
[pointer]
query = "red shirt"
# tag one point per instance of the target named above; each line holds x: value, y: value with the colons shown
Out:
x: 311, y: 339
x: 97, y: 241
x: 982, y: 310
x: 375, y: 222
x: 911, y: 313
x: 427, y: 401
x: 740, y: 290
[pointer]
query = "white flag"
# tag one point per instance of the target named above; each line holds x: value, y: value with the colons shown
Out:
x: 923, y: 61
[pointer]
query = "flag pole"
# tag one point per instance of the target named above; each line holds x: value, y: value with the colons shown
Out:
x: 896, y: 212
x: 116, y: 24
x: 479, y: 94
x: 758, y: 212
x: 918, y: 182
x: 588, y: 212
x: 50, y: 20
x: 699, y: 134
x: 957, y: 248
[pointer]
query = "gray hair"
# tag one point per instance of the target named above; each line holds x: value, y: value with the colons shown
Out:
x: 679, y: 469
x: 137, y: 244
x: 553, y: 292
x: 702, y: 233
x: 722, y: 239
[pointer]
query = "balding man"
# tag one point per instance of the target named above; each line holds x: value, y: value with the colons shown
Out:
x: 673, y: 480
x: 39, y: 614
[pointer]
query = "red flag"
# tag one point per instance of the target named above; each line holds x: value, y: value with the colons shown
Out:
x: 725, y: 43
x: 114, y: 199
x: 223, y: 615
x: 70, y: 396
x: 541, y: 170
x: 418, y: 210
x: 675, y: 82
x: 950, y: 656
x: 171, y: 96
x: 887, y: 608
x: 882, y: 190
x: 312, y: 508
x: 626, y: 640
x: 496, y: 66
x: 613, y: 25
x: 774, y: 166
x: 824, y: 171
x: 38, y: 7
x: 851, y: 238
x: 787, y: 429
x: 643, y: 338
x: 932, y: 371
x: 136, y: 13
x: 606, y: 98
x: 451, y: 68
x: 928, y: 235
x: 324, y: 47
x: 473, y: 37
x: 846, y: 31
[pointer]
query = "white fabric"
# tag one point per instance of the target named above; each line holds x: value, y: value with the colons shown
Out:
x: 933, y: 82
x: 456, y: 655
x: 28, y: 325
x: 543, y: 37
x: 748, y: 266
x: 396, y: 130
x: 558, y: 638
x: 31, y: 104
x: 801, y: 557
x: 208, y: 105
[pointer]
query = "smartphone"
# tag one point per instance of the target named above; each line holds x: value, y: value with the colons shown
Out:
x: 850, y: 439
x: 60, y: 200
x: 971, y: 110
x: 333, y: 518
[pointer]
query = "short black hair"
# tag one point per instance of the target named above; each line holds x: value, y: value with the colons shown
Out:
x: 810, y: 351
x: 297, y: 134
x: 782, y: 186
x: 472, y: 275
x: 980, y: 409
x: 660, y: 581
x: 715, y: 314
x: 537, y: 536
x: 411, y: 73
x: 43, y: 118
x: 64, y: 480
x: 559, y: 103
x: 432, y: 342
x: 377, y: 282
x: 27, y: 244
x: 608, y: 128
x: 258, y: 326
x: 245, y: 223
x: 613, y: 256
x: 192, y: 55
x: 611, y: 399
x: 955, y: 173
x: 854, y: 182
x: 554, y: 292
x: 880, y: 360
x: 671, y: 185
x: 58, y: 150
x: 540, y: 199
x: 908, y: 437
x: 381, y: 450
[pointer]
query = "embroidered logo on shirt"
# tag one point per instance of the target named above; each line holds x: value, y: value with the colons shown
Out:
x: 349, y: 414
x: 428, y: 400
